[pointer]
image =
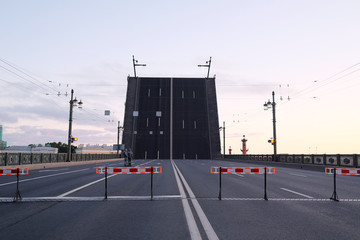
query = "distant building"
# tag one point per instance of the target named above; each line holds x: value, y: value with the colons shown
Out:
x: 3, y: 144
x: 44, y: 150
x: 94, y: 149
x: 29, y: 149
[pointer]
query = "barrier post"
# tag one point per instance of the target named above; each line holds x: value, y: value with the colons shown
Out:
x: 334, y: 195
x: 17, y: 194
x: 152, y: 173
x: 106, y: 173
x: 220, y: 183
x: 265, y: 173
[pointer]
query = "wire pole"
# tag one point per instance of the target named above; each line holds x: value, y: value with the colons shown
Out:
x: 136, y: 64
x: 224, y: 137
x: 118, y: 136
x: 208, y: 65
x: 70, y: 126
x: 274, y: 125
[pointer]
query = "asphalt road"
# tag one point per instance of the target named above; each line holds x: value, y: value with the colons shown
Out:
x: 68, y: 203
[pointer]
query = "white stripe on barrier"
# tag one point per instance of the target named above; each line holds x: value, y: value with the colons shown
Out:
x: 343, y: 171
x: 13, y: 171
x: 128, y: 170
x: 243, y: 170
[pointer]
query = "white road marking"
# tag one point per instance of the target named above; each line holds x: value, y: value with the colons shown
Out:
x: 298, y: 175
x: 239, y: 175
x: 53, y: 170
x: 163, y: 198
x: 91, y: 183
x: 69, y: 199
x: 193, y: 229
x: 288, y: 190
x: 84, y: 186
x: 35, y: 178
x: 211, y: 234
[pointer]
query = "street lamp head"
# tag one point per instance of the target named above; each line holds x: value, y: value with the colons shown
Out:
x: 75, y: 101
x: 266, y: 106
x: 269, y: 104
x: 80, y: 104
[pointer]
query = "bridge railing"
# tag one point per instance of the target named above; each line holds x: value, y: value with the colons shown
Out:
x: 345, y: 160
x: 9, y: 159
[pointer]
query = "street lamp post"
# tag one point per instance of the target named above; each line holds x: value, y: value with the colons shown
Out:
x: 136, y: 64
x: 223, y: 129
x: 73, y: 102
x: 208, y: 65
x: 118, y: 136
x: 267, y: 106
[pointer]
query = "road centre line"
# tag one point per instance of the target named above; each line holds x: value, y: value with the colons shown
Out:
x: 288, y: 190
x: 211, y: 234
x: 35, y: 178
x: 193, y: 229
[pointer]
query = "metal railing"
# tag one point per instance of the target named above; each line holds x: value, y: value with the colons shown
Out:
x: 346, y: 160
x: 10, y: 159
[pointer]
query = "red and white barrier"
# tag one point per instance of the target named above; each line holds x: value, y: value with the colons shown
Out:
x: 128, y: 170
x: 13, y: 171
x: 243, y: 170
x: 343, y: 171
x: 17, y: 172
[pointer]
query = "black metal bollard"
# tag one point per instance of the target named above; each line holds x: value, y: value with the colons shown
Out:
x: 152, y: 173
x: 220, y: 183
x: 17, y: 194
x: 106, y: 182
x: 334, y: 195
x: 265, y: 173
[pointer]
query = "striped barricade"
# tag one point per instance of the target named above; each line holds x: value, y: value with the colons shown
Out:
x: 17, y: 172
x: 343, y: 171
x: 14, y: 171
x: 340, y: 171
x: 128, y: 170
x: 243, y: 170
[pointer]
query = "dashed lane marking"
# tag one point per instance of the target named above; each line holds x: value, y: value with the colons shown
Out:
x: 297, y: 175
x: 91, y: 183
x: 301, y: 194
x: 52, y: 175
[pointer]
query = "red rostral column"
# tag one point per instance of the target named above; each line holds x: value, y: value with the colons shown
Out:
x: 244, y: 150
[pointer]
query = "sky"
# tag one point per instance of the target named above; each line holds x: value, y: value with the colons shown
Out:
x: 307, y: 51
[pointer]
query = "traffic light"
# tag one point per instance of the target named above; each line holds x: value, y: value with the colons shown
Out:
x: 272, y: 141
x: 74, y: 139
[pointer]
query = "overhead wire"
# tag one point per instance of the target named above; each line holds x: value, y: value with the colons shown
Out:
x: 327, y: 81
x: 15, y: 70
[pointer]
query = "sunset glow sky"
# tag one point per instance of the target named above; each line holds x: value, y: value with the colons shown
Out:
x: 307, y: 51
